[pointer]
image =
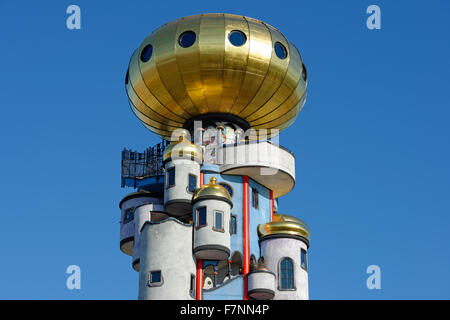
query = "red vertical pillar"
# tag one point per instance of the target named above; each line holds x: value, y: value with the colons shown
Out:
x: 246, y: 264
x: 199, y: 284
x: 271, y: 205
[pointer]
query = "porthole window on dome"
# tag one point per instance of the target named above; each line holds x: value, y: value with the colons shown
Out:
x: 187, y: 39
x: 146, y: 53
x: 237, y: 38
x: 280, y: 50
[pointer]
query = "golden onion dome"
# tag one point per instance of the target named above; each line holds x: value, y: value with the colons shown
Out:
x: 212, y: 190
x: 284, y: 225
x: 183, y: 149
x: 216, y: 64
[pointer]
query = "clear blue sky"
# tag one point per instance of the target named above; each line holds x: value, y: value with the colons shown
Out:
x: 372, y: 143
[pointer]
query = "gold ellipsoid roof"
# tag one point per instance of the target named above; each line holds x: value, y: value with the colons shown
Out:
x: 284, y: 225
x: 183, y: 149
x: 213, y: 75
x: 212, y: 190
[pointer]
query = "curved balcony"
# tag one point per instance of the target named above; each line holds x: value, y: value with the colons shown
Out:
x: 268, y: 164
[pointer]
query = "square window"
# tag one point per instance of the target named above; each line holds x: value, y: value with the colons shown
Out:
x: 201, y: 217
x: 154, y: 278
x: 170, y: 177
x: 192, y: 183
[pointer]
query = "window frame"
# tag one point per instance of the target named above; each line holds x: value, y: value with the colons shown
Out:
x: 233, y: 226
x: 167, y: 177
x: 156, y: 283
x: 125, y: 220
x: 193, y: 286
x: 196, y: 180
x: 197, y: 220
x: 255, y: 198
x: 302, y: 250
x: 280, y: 278
x: 222, y: 221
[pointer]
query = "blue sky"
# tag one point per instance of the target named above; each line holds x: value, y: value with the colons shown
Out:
x: 372, y: 143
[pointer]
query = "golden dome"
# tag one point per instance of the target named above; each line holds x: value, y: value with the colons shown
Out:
x: 284, y: 225
x: 183, y: 149
x: 212, y: 191
x: 216, y: 64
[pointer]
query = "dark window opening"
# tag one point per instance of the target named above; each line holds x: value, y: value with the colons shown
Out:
x: 280, y: 50
x: 233, y: 224
x: 187, y: 39
x: 170, y: 177
x: 192, y: 183
x: 201, y: 217
x: 146, y: 53
x: 304, y: 261
x: 129, y: 215
x: 254, y: 198
x: 237, y: 38
x: 155, y: 278
x: 192, y: 286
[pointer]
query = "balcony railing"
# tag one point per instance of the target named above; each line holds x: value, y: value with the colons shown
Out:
x: 141, y: 165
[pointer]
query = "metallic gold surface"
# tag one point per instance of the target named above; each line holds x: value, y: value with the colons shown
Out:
x: 284, y: 225
x: 212, y: 189
x: 183, y: 148
x: 214, y: 76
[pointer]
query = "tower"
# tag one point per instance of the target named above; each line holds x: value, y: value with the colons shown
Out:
x: 218, y: 89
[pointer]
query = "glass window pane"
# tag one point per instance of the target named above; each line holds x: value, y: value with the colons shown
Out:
x: 201, y: 214
x: 155, y: 276
x: 170, y: 177
x: 303, y: 259
x: 287, y: 274
x: 233, y: 227
x: 218, y: 220
x: 192, y: 183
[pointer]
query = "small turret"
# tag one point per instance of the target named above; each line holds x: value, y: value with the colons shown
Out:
x: 284, y: 243
x: 182, y: 161
x: 211, y: 215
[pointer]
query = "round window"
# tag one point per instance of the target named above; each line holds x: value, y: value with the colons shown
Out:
x: 237, y: 38
x: 146, y: 53
x: 280, y: 50
x: 187, y: 39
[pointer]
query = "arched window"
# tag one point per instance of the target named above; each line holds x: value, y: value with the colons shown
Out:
x: 286, y: 274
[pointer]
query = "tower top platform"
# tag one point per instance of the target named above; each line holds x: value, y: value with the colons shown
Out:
x: 219, y: 65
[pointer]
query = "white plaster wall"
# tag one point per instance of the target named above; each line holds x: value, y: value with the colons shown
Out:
x: 206, y: 235
x: 273, y: 250
x: 167, y: 246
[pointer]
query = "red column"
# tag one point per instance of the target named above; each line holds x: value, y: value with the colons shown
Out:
x: 246, y: 264
x: 199, y: 284
x: 271, y: 205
